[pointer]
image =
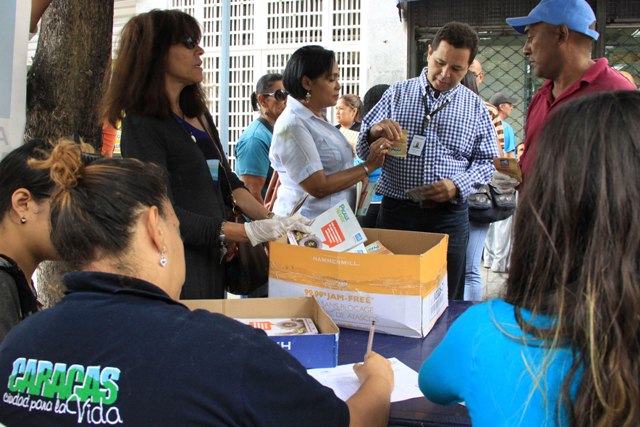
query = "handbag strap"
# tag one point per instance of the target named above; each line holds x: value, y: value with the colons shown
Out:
x: 266, y: 123
x: 234, y: 205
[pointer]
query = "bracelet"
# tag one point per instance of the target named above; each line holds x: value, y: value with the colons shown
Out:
x: 221, y: 235
x: 270, y: 215
x: 366, y: 169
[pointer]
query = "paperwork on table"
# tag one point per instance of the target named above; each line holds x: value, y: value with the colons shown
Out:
x: 344, y: 382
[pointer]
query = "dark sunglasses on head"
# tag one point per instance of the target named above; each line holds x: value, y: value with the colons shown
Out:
x: 190, y: 43
x: 279, y: 95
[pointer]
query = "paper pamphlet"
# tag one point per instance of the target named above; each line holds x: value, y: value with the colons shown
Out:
x: 364, y: 199
x: 377, y: 248
x: 344, y: 382
x: 508, y: 166
x: 298, y: 238
x: 399, y: 149
x: 358, y: 249
x: 338, y: 228
x: 289, y: 326
x: 351, y: 135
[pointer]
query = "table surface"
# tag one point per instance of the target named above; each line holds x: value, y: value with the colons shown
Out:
x: 412, y: 352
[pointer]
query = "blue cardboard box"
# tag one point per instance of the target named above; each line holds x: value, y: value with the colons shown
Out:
x: 312, y: 351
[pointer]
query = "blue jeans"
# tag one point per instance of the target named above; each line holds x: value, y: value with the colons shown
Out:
x: 446, y: 219
x: 472, y: 280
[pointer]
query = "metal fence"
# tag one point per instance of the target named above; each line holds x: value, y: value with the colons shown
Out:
x: 505, y: 67
x: 263, y: 35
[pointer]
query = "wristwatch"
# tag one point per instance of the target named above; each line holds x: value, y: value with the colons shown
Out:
x: 221, y: 237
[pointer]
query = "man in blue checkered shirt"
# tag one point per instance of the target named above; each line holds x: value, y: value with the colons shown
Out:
x: 450, y: 145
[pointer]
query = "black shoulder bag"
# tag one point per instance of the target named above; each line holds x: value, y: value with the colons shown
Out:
x: 247, y: 266
x: 495, y: 201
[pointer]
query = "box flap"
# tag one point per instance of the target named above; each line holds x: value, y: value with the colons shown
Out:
x: 404, y: 242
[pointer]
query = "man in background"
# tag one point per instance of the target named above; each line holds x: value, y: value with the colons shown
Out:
x: 252, y: 149
x: 497, y: 246
x: 560, y: 36
x: 504, y: 105
x: 476, y: 69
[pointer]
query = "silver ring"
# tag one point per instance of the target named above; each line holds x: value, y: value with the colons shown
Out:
x: 381, y: 146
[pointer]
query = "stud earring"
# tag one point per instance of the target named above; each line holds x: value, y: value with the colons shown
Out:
x: 23, y: 220
x: 163, y: 259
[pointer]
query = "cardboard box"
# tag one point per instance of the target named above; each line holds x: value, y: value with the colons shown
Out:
x: 404, y: 292
x: 313, y: 351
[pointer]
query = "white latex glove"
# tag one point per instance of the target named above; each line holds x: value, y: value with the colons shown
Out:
x: 274, y: 228
x: 296, y: 218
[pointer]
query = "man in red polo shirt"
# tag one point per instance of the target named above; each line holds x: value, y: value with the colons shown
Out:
x: 560, y: 35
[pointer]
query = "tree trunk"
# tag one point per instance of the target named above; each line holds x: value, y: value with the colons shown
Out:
x: 64, y: 88
x: 49, y: 282
x: 65, y: 82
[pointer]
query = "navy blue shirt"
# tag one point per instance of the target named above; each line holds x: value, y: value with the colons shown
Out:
x: 120, y: 349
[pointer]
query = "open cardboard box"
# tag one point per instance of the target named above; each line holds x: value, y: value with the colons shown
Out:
x: 313, y: 351
x: 405, y: 293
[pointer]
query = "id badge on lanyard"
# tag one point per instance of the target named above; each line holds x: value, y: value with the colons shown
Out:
x: 214, y: 169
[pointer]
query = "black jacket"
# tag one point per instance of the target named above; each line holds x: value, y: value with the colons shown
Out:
x: 200, y: 203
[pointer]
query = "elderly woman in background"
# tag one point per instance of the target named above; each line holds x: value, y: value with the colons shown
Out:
x: 309, y: 154
x: 120, y: 348
x: 156, y: 91
x: 24, y: 231
x: 348, y: 112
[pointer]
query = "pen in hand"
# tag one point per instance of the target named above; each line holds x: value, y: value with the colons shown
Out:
x: 371, y: 332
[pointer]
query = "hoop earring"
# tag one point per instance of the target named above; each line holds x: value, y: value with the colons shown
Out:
x: 163, y: 259
x: 23, y: 220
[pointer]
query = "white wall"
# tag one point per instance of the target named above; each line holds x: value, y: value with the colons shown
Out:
x: 384, y: 47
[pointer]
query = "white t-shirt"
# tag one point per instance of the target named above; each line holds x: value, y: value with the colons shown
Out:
x: 303, y: 144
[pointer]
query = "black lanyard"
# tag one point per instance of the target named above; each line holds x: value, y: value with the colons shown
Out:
x: 429, y: 115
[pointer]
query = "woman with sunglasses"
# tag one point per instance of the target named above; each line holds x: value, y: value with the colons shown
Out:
x: 310, y: 154
x: 156, y: 91
x: 24, y: 231
x: 252, y: 149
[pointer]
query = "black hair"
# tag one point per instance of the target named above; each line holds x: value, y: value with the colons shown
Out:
x: 372, y: 97
x: 138, y: 79
x: 15, y: 173
x: 264, y: 85
x: 469, y: 81
x: 458, y: 35
x: 310, y: 61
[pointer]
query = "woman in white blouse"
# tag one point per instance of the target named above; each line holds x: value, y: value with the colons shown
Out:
x: 309, y: 153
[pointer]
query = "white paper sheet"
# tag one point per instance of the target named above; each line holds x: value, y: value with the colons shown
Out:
x: 344, y: 382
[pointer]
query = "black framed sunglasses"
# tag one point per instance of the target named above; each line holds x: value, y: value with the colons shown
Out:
x: 190, y: 43
x: 279, y: 95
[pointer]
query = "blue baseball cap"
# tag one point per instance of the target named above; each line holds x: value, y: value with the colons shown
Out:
x: 575, y: 14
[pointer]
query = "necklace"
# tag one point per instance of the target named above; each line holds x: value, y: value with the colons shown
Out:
x: 188, y: 127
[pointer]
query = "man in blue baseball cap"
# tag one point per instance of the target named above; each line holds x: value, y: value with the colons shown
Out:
x: 560, y: 35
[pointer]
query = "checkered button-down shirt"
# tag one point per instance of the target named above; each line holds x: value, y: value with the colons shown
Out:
x: 460, y: 139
